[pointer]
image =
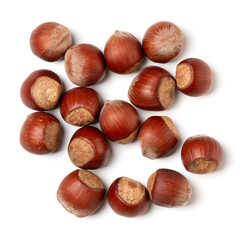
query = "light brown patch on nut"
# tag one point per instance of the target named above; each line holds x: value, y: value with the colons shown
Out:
x: 46, y: 92
x: 128, y: 139
x: 90, y: 179
x: 150, y: 183
x: 130, y: 191
x: 81, y: 151
x: 52, y: 136
x: 79, y: 117
x: 166, y: 92
x: 184, y: 75
x: 202, y: 165
x: 170, y: 125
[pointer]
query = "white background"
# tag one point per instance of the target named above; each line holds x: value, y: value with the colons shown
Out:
x: 28, y: 183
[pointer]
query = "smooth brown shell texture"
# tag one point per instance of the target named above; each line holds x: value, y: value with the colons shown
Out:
x: 84, y: 64
x: 157, y: 137
x: 81, y: 193
x: 128, y: 197
x: 194, y: 77
x: 40, y: 133
x: 123, y: 53
x: 169, y: 188
x: 89, y: 148
x: 50, y: 40
x: 152, y: 89
x: 119, y: 121
x: 201, y: 154
x: 162, y: 42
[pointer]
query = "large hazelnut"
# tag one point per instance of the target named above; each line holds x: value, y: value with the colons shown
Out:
x: 50, y: 40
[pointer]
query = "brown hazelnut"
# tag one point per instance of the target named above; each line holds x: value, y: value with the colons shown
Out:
x: 80, y: 106
x: 84, y: 64
x: 50, y: 40
x: 123, y: 53
x: 169, y: 188
x: 162, y: 42
x: 119, y: 121
x: 128, y: 197
x: 40, y: 133
x: 158, y: 137
x: 88, y: 148
x: 81, y: 193
x: 41, y: 90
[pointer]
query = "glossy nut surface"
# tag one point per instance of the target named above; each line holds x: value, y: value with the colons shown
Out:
x: 50, y: 40
x: 157, y: 137
x: 194, y: 77
x: 162, y: 42
x: 169, y: 188
x: 152, y: 89
x: 80, y: 106
x: 88, y: 148
x: 41, y: 90
x: 123, y: 53
x: 201, y: 154
x: 128, y: 197
x: 40, y: 133
x: 84, y: 64
x: 81, y: 193
x: 119, y: 121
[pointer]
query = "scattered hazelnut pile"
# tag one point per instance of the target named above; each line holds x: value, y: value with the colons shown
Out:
x: 82, y: 192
